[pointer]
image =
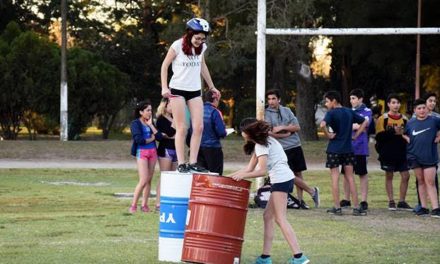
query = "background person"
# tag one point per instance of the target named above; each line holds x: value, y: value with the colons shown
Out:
x: 187, y: 58
x: 144, y: 135
x: 339, y: 149
x: 211, y: 154
x: 421, y: 135
x: 267, y: 156
x: 285, y: 128
x: 391, y: 147
x: 360, y: 149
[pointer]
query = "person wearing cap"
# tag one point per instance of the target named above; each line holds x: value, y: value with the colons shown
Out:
x: 186, y: 55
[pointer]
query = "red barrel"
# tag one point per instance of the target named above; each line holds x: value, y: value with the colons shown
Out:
x: 217, y: 212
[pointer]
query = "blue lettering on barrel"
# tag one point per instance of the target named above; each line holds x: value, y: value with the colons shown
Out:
x: 172, y: 216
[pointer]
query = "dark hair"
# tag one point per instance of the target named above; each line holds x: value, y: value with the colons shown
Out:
x: 333, y: 95
x: 393, y: 96
x: 257, y: 131
x: 209, y: 96
x: 140, y: 107
x: 187, y: 45
x: 275, y: 92
x: 426, y: 96
x: 357, y: 92
x: 418, y: 102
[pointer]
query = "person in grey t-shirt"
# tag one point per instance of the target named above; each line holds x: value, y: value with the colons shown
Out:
x: 284, y: 128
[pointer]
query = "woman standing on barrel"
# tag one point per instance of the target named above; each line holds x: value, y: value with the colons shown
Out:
x: 185, y: 88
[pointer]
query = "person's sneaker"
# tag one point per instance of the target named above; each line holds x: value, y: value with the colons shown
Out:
x: 303, y: 205
x: 392, y: 205
x: 364, y: 205
x: 302, y: 260
x: 196, y: 168
x: 261, y: 260
x: 404, y: 206
x: 335, y: 211
x: 132, y: 209
x: 315, y: 197
x: 423, y: 212
x: 345, y: 203
x: 183, y: 168
x: 145, y: 209
x: 359, y: 212
x: 435, y: 213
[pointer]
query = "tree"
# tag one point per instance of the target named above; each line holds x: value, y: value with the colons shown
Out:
x: 27, y: 64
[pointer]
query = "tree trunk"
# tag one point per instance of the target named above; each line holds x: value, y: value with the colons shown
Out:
x: 346, y: 83
x: 305, y: 109
x: 278, y: 78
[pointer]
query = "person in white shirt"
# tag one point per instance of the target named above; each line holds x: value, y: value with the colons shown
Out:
x: 268, y: 156
x: 185, y: 88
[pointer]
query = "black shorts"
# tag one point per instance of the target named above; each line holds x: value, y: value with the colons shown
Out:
x: 295, y: 159
x: 360, y: 165
x: 286, y: 186
x: 393, y: 166
x: 335, y: 160
x: 413, y: 164
x: 187, y: 95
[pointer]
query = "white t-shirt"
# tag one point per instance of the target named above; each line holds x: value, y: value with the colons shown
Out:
x: 277, y: 165
x: 186, y: 69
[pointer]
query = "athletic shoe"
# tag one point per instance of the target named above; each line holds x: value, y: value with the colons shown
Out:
x: 145, y: 209
x: 261, y: 260
x: 435, y: 213
x: 359, y: 212
x: 364, y: 205
x: 392, y: 205
x: 335, y: 211
x: 404, y: 206
x: 423, y: 212
x: 345, y: 203
x: 302, y: 260
x: 315, y: 197
x: 196, y: 168
x: 183, y: 168
x: 132, y: 209
x: 303, y: 205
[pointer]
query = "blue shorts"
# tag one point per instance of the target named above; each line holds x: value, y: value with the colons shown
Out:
x: 169, y: 154
x: 286, y: 186
x: 414, y: 164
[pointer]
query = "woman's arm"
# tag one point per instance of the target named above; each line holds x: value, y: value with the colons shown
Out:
x: 207, y: 77
x: 260, y: 171
x: 171, y: 55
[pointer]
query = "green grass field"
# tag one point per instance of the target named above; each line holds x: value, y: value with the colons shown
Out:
x: 72, y: 216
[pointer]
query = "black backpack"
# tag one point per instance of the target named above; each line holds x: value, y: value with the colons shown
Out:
x: 263, y: 195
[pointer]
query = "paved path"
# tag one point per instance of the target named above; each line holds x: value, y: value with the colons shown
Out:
x: 103, y: 164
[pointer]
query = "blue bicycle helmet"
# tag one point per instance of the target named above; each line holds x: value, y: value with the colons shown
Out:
x: 198, y: 24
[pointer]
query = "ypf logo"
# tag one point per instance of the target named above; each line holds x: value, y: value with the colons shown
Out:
x: 167, y: 218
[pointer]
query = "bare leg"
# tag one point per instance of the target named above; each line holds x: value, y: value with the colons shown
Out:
x: 334, y: 173
x: 404, y: 185
x: 147, y: 188
x: 299, y: 190
x: 279, y: 210
x: 364, y: 187
x: 389, y: 185
x: 195, y: 106
x: 350, y: 179
x: 422, y: 186
x: 178, y: 108
x: 346, y: 189
x: 429, y: 175
x: 143, y: 179
x: 300, y: 183
x: 269, y: 218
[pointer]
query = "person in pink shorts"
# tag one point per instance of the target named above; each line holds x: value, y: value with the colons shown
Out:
x: 144, y: 135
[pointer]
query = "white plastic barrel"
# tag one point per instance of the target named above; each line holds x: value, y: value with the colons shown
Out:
x: 175, y: 189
